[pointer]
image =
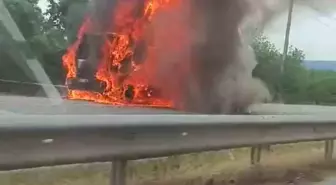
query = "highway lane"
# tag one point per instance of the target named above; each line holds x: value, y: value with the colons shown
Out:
x: 286, y: 109
x: 37, y: 105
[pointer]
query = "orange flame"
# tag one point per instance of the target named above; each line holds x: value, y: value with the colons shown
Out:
x: 128, y: 30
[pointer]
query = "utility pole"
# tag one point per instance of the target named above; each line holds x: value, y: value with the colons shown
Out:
x: 288, y: 29
x: 285, y: 49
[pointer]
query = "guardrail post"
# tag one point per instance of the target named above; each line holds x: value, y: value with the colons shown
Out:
x: 328, y: 149
x: 118, y: 172
x: 256, y: 154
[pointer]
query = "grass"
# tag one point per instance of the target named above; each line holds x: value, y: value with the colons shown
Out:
x: 284, y: 164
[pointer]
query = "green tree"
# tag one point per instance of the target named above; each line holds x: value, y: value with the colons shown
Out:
x: 28, y: 17
x: 292, y: 84
x: 268, y: 67
x: 295, y: 79
x: 322, y: 87
x: 67, y: 15
x: 44, y: 40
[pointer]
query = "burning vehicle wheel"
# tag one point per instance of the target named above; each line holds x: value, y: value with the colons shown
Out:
x: 129, y: 93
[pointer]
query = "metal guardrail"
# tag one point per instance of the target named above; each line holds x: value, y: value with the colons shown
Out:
x: 37, y: 140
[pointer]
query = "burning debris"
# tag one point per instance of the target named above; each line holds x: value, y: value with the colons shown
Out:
x: 184, y: 54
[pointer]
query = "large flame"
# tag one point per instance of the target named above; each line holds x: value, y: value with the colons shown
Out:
x: 128, y: 32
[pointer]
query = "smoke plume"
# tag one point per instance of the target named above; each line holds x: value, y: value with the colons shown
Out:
x: 205, y: 61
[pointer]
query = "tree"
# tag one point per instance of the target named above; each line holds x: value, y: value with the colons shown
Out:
x: 293, y: 83
x: 67, y: 15
x: 322, y: 87
x: 43, y: 40
x: 29, y: 19
x: 295, y: 80
x: 27, y: 16
x: 268, y: 67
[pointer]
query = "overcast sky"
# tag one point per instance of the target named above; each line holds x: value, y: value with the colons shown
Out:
x: 313, y: 32
x: 43, y: 4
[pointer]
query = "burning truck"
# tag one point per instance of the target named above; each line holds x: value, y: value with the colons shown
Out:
x: 183, y: 54
x: 105, y: 63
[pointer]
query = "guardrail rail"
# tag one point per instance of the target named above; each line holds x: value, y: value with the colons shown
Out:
x: 29, y: 141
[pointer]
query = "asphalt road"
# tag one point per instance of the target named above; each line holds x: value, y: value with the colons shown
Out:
x: 38, y: 105
x: 286, y: 109
x: 45, y: 106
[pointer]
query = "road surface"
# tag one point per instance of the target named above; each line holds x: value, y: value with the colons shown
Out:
x: 38, y: 105
x: 286, y: 109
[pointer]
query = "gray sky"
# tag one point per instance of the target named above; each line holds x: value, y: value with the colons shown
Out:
x: 312, y: 32
x: 43, y: 4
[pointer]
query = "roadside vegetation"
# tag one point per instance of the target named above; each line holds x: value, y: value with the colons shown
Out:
x: 297, y: 84
x: 285, y: 164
